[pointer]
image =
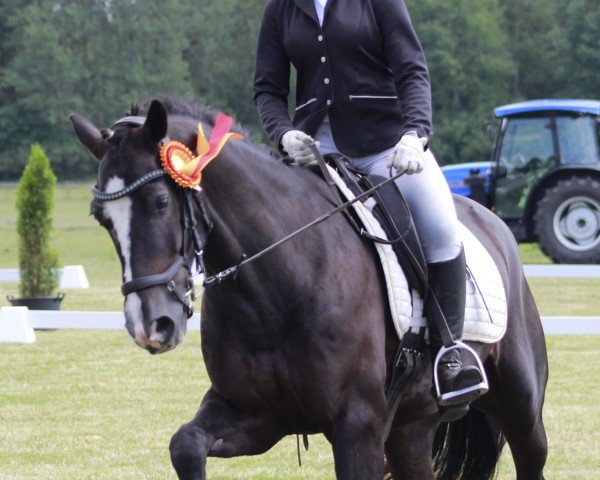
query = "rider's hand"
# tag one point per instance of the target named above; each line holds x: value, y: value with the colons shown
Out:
x: 408, y: 155
x: 297, y: 145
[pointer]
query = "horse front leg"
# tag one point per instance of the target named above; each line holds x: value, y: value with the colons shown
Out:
x: 219, y: 430
x: 357, y: 441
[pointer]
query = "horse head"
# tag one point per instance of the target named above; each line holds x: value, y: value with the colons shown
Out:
x: 151, y: 221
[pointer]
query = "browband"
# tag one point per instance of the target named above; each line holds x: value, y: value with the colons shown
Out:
x: 131, y: 120
x: 105, y: 197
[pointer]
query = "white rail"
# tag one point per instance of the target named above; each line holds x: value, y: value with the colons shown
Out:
x: 56, y: 319
x: 562, y: 271
x: 71, y: 276
x: 83, y: 320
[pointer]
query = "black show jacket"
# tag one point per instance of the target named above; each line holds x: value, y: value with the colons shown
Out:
x: 365, y: 68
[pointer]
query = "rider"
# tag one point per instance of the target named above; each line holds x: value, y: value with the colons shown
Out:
x: 363, y: 90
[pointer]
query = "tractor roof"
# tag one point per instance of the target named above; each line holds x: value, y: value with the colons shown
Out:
x: 559, y: 105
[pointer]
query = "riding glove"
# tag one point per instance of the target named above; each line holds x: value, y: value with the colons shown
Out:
x: 408, y: 155
x: 297, y: 145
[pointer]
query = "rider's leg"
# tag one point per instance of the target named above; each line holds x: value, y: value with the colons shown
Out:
x: 430, y: 201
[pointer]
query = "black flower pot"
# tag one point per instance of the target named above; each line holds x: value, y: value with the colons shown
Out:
x: 37, y: 303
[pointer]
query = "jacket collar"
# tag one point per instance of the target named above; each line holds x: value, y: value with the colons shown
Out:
x: 308, y: 7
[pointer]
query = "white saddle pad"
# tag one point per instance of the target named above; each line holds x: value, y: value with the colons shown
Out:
x: 485, y: 313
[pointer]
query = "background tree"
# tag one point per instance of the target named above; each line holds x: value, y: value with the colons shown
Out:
x: 222, y: 54
x: 38, y: 263
x: 91, y: 56
x: 528, y: 25
x: 470, y: 66
x: 576, y: 44
x: 98, y: 56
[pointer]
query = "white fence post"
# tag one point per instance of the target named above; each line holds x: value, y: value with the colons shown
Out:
x: 14, y: 327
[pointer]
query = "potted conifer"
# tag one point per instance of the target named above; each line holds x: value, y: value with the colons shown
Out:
x: 38, y: 263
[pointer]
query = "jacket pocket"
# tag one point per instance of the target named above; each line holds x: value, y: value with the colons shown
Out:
x: 372, y: 97
x: 305, y: 104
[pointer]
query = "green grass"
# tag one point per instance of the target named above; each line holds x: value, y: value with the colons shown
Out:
x: 89, y: 405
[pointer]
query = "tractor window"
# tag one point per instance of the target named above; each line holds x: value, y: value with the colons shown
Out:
x: 526, y: 154
x: 577, y: 139
x: 527, y: 145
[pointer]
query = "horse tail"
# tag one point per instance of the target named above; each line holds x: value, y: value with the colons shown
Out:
x: 467, y: 449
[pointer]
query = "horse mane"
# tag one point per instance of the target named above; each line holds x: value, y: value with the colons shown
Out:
x: 185, y: 107
x: 188, y: 106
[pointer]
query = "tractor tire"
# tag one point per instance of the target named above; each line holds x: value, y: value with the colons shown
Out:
x: 567, y: 221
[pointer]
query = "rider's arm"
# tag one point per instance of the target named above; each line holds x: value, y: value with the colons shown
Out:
x: 272, y: 78
x: 407, y: 62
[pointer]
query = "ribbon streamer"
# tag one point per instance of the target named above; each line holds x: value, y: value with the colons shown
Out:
x: 179, y: 161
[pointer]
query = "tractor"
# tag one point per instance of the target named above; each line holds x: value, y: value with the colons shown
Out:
x: 544, y: 176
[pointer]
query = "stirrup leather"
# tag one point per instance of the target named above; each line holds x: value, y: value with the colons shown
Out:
x: 479, y: 388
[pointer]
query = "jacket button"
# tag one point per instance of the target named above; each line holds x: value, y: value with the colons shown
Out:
x: 326, y: 81
x: 323, y: 59
x: 320, y: 38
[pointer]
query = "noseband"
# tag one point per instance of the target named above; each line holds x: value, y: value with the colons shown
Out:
x: 187, y: 199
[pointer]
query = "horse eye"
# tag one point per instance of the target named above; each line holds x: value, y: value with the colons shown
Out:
x: 161, y: 202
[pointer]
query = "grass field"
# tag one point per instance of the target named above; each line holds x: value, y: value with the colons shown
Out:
x: 91, y: 405
x: 83, y: 405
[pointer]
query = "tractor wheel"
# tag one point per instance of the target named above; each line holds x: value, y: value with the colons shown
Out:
x: 567, y: 221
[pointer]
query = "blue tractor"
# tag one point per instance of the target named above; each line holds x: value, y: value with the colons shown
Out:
x: 544, y: 176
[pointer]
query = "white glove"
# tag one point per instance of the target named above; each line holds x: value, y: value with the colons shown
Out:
x: 297, y: 145
x: 409, y: 154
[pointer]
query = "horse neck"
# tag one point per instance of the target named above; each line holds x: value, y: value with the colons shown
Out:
x: 244, y: 190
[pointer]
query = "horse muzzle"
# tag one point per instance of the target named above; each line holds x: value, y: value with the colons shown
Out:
x: 157, y: 333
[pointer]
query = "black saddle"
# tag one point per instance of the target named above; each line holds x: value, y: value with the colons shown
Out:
x: 392, y: 212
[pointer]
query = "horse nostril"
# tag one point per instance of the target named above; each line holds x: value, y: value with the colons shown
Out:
x: 164, y: 329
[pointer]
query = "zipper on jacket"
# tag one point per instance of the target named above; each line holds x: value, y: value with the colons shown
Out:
x: 306, y: 104
x: 372, y: 97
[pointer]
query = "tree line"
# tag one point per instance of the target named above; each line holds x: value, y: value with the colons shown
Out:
x: 96, y: 57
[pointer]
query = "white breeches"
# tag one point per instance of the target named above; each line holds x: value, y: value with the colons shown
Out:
x: 427, y: 195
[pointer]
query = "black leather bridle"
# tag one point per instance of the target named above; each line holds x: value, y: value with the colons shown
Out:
x: 188, y: 199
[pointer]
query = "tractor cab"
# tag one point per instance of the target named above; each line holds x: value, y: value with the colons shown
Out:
x: 544, y: 178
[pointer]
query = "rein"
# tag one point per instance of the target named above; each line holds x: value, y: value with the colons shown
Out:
x: 189, y: 197
x: 234, y: 270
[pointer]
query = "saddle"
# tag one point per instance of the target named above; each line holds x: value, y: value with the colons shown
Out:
x: 390, y: 209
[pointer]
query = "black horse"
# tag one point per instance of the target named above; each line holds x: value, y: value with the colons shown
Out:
x: 299, y: 341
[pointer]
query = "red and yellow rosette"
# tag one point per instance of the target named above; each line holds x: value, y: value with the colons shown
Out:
x: 179, y: 161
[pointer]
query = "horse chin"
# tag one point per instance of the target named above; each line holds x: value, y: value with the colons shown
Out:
x: 155, y: 344
x: 158, y: 335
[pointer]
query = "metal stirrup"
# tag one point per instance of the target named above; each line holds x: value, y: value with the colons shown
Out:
x: 481, y: 387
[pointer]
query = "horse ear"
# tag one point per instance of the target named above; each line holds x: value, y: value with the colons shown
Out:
x: 155, y: 127
x: 89, y: 135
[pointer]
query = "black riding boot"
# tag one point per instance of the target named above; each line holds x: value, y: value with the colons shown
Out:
x: 447, y: 281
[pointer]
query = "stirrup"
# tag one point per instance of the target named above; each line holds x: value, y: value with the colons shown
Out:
x: 472, y: 392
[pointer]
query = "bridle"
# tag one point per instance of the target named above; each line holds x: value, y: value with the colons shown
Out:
x: 188, y: 200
